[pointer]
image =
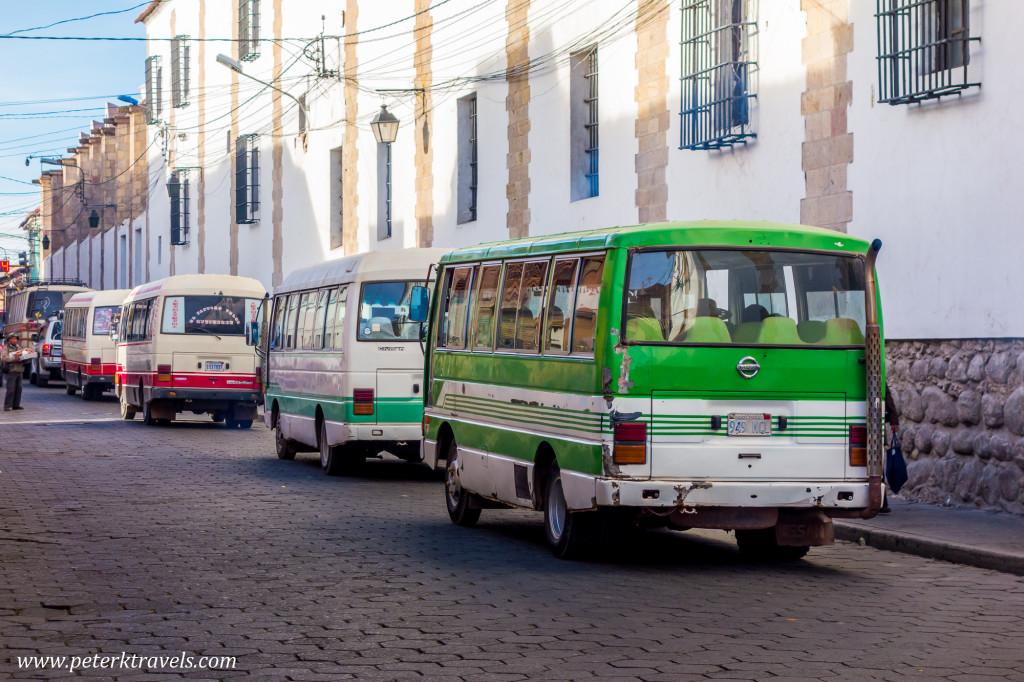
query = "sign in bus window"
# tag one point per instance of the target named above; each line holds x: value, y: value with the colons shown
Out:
x: 218, y: 315
x: 560, y: 304
x: 745, y: 297
x: 587, y: 295
x: 485, y: 307
x: 101, y: 319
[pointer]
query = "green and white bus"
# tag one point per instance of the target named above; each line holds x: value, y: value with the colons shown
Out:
x: 343, y: 363
x: 696, y: 375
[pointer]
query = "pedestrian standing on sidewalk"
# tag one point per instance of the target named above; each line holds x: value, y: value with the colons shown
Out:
x: 892, y: 418
x: 15, y: 370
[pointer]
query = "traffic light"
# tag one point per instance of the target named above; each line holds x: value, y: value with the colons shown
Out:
x: 5, y: 265
x: 22, y: 259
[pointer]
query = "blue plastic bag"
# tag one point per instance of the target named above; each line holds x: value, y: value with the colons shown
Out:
x: 895, y: 466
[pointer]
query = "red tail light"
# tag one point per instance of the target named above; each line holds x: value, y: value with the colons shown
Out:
x: 362, y: 401
x: 96, y: 365
x: 630, y: 443
x: 163, y: 373
x: 46, y: 349
x: 858, y: 445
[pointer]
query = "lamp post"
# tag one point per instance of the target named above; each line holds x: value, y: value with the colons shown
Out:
x: 385, y: 129
x: 237, y: 68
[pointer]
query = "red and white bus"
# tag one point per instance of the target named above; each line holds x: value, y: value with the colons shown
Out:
x: 182, y: 348
x: 89, y: 352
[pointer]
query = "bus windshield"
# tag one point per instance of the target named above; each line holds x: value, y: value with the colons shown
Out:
x: 220, y: 315
x: 384, y: 311
x: 745, y: 297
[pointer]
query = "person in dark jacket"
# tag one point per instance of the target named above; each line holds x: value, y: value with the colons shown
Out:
x: 892, y: 418
x: 15, y: 371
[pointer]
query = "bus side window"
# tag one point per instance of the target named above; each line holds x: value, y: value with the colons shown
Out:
x: 331, y: 297
x: 339, y: 322
x: 588, y: 294
x: 151, y: 318
x: 320, y: 320
x: 289, y: 321
x: 305, y: 324
x: 560, y: 304
x: 509, y: 305
x: 454, y: 318
x: 531, y: 306
x: 275, y: 335
x: 487, y: 294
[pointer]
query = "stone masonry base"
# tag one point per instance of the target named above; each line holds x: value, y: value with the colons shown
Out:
x: 961, y: 405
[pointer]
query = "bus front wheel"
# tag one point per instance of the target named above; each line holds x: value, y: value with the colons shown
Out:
x: 463, y: 506
x: 760, y: 545
x: 569, y: 534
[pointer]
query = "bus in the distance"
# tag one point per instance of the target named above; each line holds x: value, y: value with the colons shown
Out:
x: 343, y: 359
x: 723, y: 375
x: 89, y: 359
x: 181, y: 347
x: 27, y: 309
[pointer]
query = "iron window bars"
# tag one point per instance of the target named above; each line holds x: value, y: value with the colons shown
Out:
x: 591, y: 124
x: 178, y: 191
x: 718, y: 64
x: 472, y: 158
x: 247, y: 179
x: 179, y: 71
x: 154, y: 88
x: 923, y: 49
x: 248, y: 30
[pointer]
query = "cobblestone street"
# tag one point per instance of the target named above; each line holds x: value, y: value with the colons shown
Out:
x: 116, y: 537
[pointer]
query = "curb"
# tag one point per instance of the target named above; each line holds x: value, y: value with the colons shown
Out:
x: 930, y: 549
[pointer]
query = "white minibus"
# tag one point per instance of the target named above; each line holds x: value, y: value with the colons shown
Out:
x: 181, y: 347
x: 90, y: 354
x: 344, y: 367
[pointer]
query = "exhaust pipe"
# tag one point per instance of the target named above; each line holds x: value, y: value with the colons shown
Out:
x: 875, y: 402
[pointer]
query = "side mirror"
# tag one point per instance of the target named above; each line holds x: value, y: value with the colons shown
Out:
x: 252, y: 334
x: 420, y: 304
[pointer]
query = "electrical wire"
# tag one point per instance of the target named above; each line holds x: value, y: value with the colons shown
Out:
x: 68, y: 21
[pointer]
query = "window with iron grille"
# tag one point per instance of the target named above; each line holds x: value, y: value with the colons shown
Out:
x: 583, y: 147
x: 154, y: 89
x: 248, y: 30
x: 719, y: 62
x: 923, y: 49
x: 247, y: 179
x: 179, y: 71
x: 178, y: 191
x: 467, y: 170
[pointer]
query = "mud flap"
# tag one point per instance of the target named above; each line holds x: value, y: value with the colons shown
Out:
x: 804, y: 529
x: 243, y: 411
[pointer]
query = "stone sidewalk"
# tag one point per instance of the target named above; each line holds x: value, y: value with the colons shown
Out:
x: 974, y: 537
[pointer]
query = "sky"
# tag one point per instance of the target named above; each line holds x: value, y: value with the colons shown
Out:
x: 84, y: 75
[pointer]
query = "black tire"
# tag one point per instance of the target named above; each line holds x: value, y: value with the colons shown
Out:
x: 285, y: 446
x: 760, y: 545
x: 42, y: 379
x: 69, y: 389
x: 217, y: 417
x: 127, y: 411
x: 463, y: 506
x: 570, y: 534
x: 88, y: 392
x: 32, y: 376
x: 331, y: 458
x: 239, y: 423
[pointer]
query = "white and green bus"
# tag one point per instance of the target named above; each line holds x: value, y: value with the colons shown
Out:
x: 722, y: 375
x: 343, y: 363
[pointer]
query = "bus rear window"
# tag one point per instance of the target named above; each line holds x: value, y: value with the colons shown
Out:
x: 745, y: 297
x: 220, y: 315
x: 384, y: 312
x: 42, y: 304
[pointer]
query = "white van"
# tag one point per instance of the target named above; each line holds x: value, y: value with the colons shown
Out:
x: 90, y: 354
x: 345, y: 369
x: 181, y: 347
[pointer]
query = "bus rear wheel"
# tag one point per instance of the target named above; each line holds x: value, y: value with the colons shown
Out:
x: 570, y: 534
x: 127, y: 411
x: 285, y: 446
x: 463, y: 506
x: 333, y: 460
x: 760, y: 545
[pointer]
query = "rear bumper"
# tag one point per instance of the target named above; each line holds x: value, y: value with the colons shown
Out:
x: 49, y: 362
x: 587, y: 492
x: 204, y: 395
x: 106, y: 379
x: 400, y: 433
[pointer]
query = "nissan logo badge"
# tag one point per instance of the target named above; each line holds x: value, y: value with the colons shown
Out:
x: 748, y: 367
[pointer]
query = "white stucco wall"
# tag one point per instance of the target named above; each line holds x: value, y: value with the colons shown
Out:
x: 938, y: 184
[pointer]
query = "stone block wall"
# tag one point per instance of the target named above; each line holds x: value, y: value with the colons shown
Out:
x: 961, y: 405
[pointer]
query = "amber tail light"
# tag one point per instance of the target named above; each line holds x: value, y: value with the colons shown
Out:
x: 163, y: 373
x: 859, y: 445
x: 362, y: 401
x: 630, y: 443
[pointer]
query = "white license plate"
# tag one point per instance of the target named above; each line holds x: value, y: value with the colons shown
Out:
x: 55, y: 352
x: 214, y: 366
x: 749, y: 424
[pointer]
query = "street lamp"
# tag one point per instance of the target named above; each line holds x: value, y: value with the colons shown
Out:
x: 237, y: 68
x: 384, y: 126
